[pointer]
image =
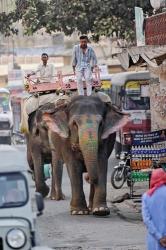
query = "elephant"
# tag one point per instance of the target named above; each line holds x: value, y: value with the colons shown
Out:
x: 39, y: 152
x: 83, y: 132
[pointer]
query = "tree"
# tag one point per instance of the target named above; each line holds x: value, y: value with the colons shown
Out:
x: 6, y: 24
x: 86, y: 16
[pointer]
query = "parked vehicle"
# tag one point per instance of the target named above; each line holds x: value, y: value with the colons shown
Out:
x: 6, y: 117
x: 42, y: 248
x: 17, y: 105
x: 17, y: 218
x: 130, y: 92
x: 121, y: 172
x: 105, y: 78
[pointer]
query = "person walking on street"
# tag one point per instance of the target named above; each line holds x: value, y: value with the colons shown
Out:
x: 154, y: 211
x: 84, y: 61
x: 45, y: 71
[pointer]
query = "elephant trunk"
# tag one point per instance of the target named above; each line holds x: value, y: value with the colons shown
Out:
x: 88, y: 141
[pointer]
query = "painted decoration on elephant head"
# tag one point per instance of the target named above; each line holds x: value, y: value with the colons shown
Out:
x: 88, y: 133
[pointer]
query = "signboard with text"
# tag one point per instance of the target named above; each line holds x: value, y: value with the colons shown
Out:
x: 155, y: 29
x: 145, y: 138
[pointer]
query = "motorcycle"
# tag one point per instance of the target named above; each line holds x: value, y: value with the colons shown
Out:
x: 121, y: 172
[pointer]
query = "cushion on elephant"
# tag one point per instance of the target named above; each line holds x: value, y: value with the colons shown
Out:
x: 32, y: 103
x: 104, y: 97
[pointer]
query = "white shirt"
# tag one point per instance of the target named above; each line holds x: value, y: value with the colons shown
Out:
x: 83, y: 60
x: 45, y: 73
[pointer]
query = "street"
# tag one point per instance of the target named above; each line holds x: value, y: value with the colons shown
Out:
x: 122, y: 230
x: 74, y: 77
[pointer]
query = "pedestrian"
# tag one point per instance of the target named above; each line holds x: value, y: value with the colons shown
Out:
x: 84, y: 61
x: 154, y: 211
x: 45, y: 71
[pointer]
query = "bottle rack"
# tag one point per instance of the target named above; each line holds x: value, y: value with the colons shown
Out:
x: 145, y: 156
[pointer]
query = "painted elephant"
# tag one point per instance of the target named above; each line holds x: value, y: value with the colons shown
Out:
x: 83, y: 134
x: 39, y: 152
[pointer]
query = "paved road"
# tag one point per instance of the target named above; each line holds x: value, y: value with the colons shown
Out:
x: 122, y: 230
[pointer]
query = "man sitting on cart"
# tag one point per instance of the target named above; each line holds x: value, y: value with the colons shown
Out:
x: 45, y: 71
x: 84, y: 61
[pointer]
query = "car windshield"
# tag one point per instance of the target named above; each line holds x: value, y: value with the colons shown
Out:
x: 4, y: 103
x: 13, y: 190
x: 136, y: 102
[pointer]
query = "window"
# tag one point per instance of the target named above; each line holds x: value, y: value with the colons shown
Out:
x: 136, y: 102
x: 13, y: 190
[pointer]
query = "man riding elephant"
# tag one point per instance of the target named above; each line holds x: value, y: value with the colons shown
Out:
x: 83, y: 62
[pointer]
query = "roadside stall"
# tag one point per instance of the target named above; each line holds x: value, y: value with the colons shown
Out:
x: 148, y: 149
x: 147, y: 153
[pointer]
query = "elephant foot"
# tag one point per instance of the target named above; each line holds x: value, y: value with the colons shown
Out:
x: 101, y: 211
x: 90, y: 208
x: 79, y: 211
x: 43, y: 190
x: 57, y: 197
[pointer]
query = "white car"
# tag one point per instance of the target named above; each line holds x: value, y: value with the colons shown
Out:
x: 17, y: 219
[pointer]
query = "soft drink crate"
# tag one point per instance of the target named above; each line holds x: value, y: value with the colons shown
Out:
x: 144, y: 156
x: 139, y: 176
x: 138, y: 164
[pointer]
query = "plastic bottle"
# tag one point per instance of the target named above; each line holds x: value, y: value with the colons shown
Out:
x: 164, y: 149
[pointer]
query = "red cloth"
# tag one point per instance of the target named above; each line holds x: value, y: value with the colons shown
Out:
x: 158, y: 178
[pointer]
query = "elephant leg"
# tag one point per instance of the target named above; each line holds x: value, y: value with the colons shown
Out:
x: 29, y: 158
x: 91, y: 197
x: 78, y: 203
x: 53, y: 191
x: 41, y: 186
x: 56, y: 184
x: 91, y: 193
x: 30, y: 163
x: 100, y: 207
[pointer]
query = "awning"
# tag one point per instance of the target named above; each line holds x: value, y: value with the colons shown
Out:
x: 153, y: 56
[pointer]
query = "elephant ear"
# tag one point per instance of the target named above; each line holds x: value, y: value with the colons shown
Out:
x: 48, y: 107
x: 114, y: 121
x: 57, y: 122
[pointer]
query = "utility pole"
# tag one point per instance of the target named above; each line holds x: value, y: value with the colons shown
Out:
x: 13, y: 52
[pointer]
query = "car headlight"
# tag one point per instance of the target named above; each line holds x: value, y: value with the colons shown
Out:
x: 16, y: 238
